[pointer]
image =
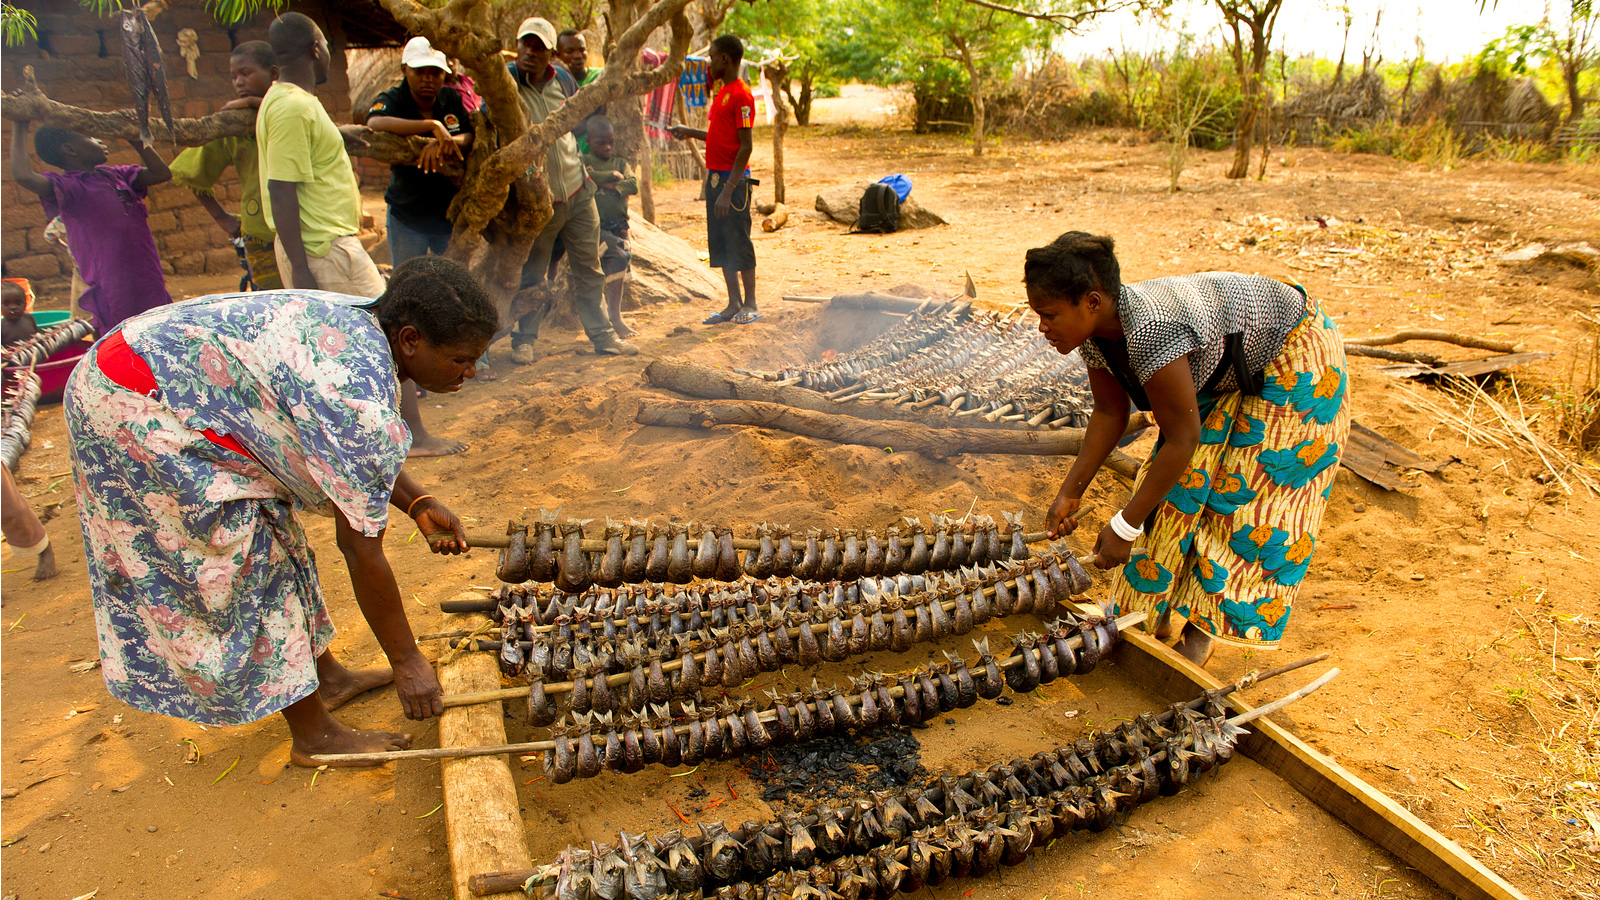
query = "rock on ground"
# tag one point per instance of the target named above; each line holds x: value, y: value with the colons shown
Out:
x: 842, y: 203
x: 666, y: 269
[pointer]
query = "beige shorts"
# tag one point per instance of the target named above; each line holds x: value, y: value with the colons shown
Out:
x: 346, y: 269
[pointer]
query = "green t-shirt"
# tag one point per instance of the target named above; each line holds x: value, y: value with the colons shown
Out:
x: 298, y: 142
x: 200, y: 168
x: 611, y: 197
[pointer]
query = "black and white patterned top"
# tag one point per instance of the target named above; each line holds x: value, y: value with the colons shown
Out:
x: 1193, y: 315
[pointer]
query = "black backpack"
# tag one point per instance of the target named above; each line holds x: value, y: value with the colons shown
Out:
x: 880, y: 211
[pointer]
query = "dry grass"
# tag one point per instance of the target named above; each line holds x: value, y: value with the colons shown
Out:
x: 1501, y: 419
x: 1577, y: 401
x: 1548, y: 820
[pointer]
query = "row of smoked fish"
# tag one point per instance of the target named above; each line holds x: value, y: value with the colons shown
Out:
x: 639, y: 553
x: 728, y: 633
x: 902, y: 841
x: 682, y: 733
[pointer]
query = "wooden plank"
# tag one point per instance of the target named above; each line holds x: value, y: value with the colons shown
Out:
x: 1364, y: 808
x: 1376, y: 458
x: 483, y: 823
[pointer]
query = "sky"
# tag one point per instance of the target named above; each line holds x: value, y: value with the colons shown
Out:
x: 1452, y: 30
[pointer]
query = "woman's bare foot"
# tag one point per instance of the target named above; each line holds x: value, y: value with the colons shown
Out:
x: 47, y: 565
x: 432, y: 445
x: 313, y: 732
x: 344, y: 739
x: 1161, y: 628
x: 622, y: 330
x: 485, y: 373
x: 341, y: 689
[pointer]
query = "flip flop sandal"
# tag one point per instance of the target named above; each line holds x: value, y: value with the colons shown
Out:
x: 718, y: 319
x: 746, y: 318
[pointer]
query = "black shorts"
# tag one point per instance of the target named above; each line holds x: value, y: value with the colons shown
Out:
x: 728, y: 238
x: 615, y: 258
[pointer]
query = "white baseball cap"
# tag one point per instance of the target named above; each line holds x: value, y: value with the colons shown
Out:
x: 540, y: 28
x: 419, y: 54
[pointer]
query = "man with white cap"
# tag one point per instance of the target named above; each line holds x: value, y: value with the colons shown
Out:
x: 418, y: 195
x: 543, y: 88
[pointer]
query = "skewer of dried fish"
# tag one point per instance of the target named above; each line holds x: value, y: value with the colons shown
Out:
x: 959, y: 825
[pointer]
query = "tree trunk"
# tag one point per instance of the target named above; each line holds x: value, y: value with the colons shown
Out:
x: 802, y: 110
x: 1238, y: 14
x: 1570, y: 72
x: 647, y: 182
x: 975, y: 87
x: 778, y: 75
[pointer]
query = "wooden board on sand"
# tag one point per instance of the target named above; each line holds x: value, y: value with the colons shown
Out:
x: 1364, y: 808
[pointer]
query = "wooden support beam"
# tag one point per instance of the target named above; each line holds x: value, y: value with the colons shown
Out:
x: 1364, y: 808
x: 483, y: 822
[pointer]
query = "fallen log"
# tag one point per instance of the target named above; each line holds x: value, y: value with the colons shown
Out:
x: 776, y: 219
x: 696, y: 380
x: 936, y: 443
x: 1433, y: 334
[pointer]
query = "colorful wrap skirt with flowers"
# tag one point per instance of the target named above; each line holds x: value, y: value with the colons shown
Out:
x: 1229, y: 546
x: 206, y: 596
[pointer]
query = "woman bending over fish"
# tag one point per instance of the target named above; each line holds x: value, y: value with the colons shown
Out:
x: 199, y: 430
x: 1246, y: 378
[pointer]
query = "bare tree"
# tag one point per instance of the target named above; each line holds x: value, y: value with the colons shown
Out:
x: 1248, y: 25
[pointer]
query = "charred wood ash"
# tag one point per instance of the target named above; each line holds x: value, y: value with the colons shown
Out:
x: 838, y: 767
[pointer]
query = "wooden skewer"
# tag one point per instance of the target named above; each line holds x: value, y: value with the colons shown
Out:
x: 1126, y: 621
x: 672, y: 665
x: 491, y: 541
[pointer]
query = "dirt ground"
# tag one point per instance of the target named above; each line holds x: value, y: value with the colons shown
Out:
x: 1461, y: 610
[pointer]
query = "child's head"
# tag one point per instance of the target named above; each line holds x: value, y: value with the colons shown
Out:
x: 13, y: 301
x: 66, y: 149
x: 727, y: 51
x: 254, y: 67
x: 602, y: 136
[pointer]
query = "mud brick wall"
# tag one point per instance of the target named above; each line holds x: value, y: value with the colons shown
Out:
x: 77, y: 59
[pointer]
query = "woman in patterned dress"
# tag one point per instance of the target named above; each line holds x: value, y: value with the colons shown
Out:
x: 198, y: 429
x: 1246, y: 379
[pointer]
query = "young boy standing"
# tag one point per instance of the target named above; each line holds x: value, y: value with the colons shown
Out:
x: 104, y: 212
x: 728, y: 136
x: 613, y: 185
x: 254, y: 67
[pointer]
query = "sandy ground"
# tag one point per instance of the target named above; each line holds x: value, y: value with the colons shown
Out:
x: 1461, y: 610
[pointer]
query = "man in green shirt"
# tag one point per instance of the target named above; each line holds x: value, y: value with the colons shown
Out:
x: 254, y: 67
x: 311, y: 198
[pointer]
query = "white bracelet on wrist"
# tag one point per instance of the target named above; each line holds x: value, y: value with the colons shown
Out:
x: 1123, y: 529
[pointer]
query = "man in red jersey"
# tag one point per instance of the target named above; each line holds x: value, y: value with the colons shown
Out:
x: 727, y: 137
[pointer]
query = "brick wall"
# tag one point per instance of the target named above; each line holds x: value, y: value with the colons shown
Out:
x: 77, y: 59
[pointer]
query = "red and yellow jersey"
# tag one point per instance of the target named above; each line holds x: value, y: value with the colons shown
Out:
x: 734, y: 108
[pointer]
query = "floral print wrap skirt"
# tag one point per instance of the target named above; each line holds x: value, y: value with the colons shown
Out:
x: 1228, y: 547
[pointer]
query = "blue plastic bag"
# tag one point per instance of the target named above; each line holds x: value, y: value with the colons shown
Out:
x: 901, y: 185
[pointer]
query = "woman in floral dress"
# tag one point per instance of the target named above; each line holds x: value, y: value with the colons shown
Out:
x: 198, y: 429
x: 1246, y: 378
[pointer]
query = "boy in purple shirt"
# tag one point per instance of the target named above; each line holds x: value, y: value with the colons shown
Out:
x: 107, y: 223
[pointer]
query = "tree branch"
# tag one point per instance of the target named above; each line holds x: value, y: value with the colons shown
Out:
x: 32, y: 105
x: 1070, y: 21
